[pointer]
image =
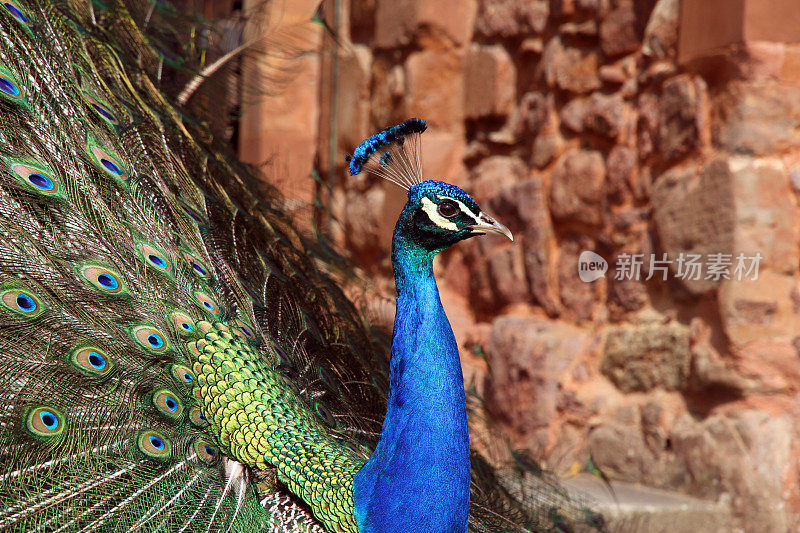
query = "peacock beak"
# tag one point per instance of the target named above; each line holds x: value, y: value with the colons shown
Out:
x: 490, y: 225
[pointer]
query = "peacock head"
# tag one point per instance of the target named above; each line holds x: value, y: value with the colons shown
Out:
x: 437, y: 214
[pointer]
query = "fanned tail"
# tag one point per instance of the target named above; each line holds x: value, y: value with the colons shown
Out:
x: 121, y: 229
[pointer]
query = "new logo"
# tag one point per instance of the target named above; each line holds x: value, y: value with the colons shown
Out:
x: 591, y: 266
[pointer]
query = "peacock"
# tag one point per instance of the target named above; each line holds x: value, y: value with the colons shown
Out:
x: 176, y: 356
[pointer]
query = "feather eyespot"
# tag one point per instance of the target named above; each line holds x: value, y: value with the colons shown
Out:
x: 111, y: 167
x: 206, y: 452
x: 102, y: 110
x: 283, y: 358
x: 36, y: 179
x: 190, y: 211
x: 198, y: 267
x: 182, y: 374
x: 151, y: 339
x: 103, y: 279
x: 168, y: 404
x: 155, y: 258
x: 205, y: 301
x: 108, y: 281
x: 17, y: 12
x: 40, y: 181
x: 291, y: 385
x: 9, y: 86
x: 22, y: 302
x: 243, y: 330
x: 356, y: 449
x: 200, y: 270
x: 25, y: 303
x: 108, y: 163
x: 154, y: 445
x: 184, y: 324
x: 97, y: 361
x: 448, y: 209
x: 196, y: 417
x: 91, y: 361
x: 105, y: 113
x: 155, y: 340
x: 48, y: 419
x: 45, y: 422
x: 324, y: 415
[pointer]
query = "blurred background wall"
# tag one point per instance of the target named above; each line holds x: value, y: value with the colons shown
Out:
x: 654, y: 127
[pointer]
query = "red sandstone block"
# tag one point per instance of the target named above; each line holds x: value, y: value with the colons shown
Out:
x: 435, y: 88
x: 734, y: 22
x: 491, y: 82
x: 398, y: 22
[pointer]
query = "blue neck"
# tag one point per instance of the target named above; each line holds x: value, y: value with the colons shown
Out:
x: 420, y: 471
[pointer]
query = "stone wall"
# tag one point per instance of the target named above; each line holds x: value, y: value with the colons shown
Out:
x: 585, y: 125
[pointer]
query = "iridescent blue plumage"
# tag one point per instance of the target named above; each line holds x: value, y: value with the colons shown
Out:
x: 420, y: 471
x: 8, y: 87
x: 388, y: 155
x: 16, y: 12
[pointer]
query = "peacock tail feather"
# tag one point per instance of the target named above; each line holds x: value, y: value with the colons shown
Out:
x: 174, y: 355
x: 151, y: 305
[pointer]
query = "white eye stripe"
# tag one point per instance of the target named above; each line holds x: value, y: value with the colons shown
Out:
x: 430, y: 209
x: 462, y: 206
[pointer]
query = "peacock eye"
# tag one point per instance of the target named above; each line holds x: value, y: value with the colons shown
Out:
x: 448, y: 209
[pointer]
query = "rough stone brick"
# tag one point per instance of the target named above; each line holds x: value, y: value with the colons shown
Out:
x: 490, y: 82
x: 693, y: 211
x: 571, y: 69
x: 606, y: 114
x: 618, y: 30
x: 648, y: 356
x: 682, y: 117
x: 509, y: 18
x: 529, y: 358
x: 757, y: 118
x: 577, y: 189
x: 435, y: 88
x: 399, y: 22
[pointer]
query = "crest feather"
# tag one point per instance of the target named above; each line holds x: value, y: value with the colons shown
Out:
x: 394, y: 154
